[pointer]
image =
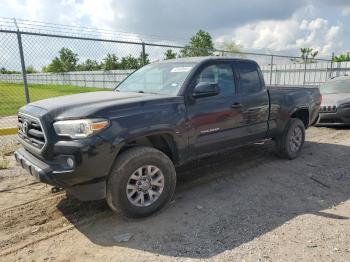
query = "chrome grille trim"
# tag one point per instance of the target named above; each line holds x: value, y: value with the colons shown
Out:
x: 35, y: 124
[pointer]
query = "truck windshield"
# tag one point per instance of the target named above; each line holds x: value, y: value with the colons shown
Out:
x: 159, y: 78
x: 334, y: 87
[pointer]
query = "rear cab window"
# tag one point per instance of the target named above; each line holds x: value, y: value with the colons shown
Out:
x: 249, y: 81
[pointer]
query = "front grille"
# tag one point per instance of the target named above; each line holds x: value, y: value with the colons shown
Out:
x: 30, y: 131
x: 328, y: 109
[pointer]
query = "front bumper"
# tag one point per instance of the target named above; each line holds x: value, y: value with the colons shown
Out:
x: 339, y: 118
x: 46, y: 173
x: 38, y: 169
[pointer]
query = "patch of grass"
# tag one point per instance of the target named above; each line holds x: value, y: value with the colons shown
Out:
x: 12, y: 95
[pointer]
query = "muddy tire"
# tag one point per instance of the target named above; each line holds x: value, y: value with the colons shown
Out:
x: 291, y: 142
x: 142, y: 181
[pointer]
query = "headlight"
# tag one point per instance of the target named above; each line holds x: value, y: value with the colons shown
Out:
x: 80, y: 128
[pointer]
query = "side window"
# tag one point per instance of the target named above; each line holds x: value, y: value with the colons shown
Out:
x: 249, y: 80
x: 220, y: 74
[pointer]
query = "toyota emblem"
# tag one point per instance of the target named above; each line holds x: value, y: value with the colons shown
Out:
x: 25, y: 127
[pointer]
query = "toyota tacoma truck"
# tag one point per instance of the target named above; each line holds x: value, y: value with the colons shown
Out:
x: 123, y: 145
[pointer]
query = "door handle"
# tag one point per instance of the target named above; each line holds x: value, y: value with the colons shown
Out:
x: 236, y: 105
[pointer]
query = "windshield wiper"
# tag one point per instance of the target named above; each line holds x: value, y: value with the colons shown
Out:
x: 140, y: 92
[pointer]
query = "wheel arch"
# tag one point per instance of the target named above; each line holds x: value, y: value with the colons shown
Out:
x: 303, y: 114
x: 163, y: 141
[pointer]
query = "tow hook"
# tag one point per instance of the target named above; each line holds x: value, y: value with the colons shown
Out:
x: 55, y: 189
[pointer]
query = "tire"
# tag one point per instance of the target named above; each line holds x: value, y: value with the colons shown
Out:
x: 291, y: 142
x: 134, y: 170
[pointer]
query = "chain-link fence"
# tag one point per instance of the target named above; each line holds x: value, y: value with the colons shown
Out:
x: 40, y: 60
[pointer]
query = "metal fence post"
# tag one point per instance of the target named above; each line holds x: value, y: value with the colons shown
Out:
x: 24, y: 73
x: 143, y: 53
x: 304, y: 80
x: 271, y: 68
x: 331, y: 71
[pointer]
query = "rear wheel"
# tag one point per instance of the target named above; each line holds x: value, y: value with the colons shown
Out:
x: 289, y: 145
x: 142, y: 181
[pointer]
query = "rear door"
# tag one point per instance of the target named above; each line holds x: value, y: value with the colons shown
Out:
x: 251, y: 100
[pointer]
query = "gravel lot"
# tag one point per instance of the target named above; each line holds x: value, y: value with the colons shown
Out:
x: 8, y: 121
x: 245, y: 205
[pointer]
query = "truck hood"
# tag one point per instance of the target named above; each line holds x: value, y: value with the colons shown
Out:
x: 92, y: 104
x: 335, y: 99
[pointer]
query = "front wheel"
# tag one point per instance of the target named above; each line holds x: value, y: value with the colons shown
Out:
x: 290, y: 143
x: 142, y: 181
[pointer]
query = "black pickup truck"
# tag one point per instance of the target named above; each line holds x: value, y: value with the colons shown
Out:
x: 123, y: 145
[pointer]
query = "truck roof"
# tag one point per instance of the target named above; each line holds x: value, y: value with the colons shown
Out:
x: 199, y: 59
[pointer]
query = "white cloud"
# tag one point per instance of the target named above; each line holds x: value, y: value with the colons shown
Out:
x: 346, y: 10
x: 269, y: 25
x: 289, y: 35
x: 100, y: 12
x: 94, y: 13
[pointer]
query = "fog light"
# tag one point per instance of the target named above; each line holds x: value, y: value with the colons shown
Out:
x: 70, y: 162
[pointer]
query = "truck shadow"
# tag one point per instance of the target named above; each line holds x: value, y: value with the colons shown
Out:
x: 227, y: 200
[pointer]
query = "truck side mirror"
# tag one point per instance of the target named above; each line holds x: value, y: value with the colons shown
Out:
x: 206, y: 90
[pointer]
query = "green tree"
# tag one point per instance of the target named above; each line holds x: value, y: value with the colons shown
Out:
x: 169, y: 54
x: 55, y: 66
x: 110, y: 62
x: 69, y: 59
x: 307, y: 55
x: 130, y: 62
x: 232, y: 48
x: 89, y: 65
x: 65, y: 62
x: 31, y: 70
x: 143, y: 59
x: 3, y: 70
x: 342, y: 58
x: 201, y: 44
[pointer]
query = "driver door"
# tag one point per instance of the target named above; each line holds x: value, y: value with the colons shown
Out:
x: 212, y: 119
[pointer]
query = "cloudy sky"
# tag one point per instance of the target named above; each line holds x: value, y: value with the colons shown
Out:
x: 269, y: 26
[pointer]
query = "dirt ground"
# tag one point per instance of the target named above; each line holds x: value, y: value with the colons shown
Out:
x: 245, y: 205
